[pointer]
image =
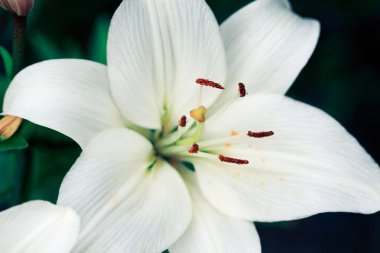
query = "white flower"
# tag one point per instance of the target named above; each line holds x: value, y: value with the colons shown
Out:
x: 133, y: 185
x: 38, y: 226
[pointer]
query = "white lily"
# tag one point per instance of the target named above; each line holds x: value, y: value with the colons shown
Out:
x: 133, y: 185
x: 38, y: 226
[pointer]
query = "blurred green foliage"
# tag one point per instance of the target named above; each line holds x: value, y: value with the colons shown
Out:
x: 14, y: 143
x: 11, y: 165
x: 8, y: 64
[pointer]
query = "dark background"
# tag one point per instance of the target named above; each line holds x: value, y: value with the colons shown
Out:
x: 342, y: 78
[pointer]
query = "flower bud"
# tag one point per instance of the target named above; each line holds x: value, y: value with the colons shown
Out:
x: 8, y: 126
x: 19, y: 7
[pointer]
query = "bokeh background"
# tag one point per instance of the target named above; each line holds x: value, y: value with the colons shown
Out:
x: 342, y: 78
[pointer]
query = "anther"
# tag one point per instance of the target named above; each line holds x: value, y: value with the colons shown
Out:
x: 227, y: 159
x: 182, y: 121
x: 242, y: 90
x: 199, y: 114
x: 194, y: 149
x: 206, y: 82
x: 260, y: 134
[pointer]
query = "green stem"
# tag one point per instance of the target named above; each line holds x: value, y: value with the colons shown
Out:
x: 18, y: 52
x: 18, y: 46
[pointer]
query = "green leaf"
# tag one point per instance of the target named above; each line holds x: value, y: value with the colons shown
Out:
x: 5, y: 190
x: 44, y: 48
x: 49, y: 166
x: 98, y: 41
x: 16, y: 142
x: 11, y: 164
x: 3, y: 87
x: 8, y: 62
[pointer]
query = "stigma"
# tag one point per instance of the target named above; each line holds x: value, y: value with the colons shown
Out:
x: 199, y: 114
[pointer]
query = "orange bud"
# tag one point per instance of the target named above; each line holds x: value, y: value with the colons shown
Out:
x: 8, y: 126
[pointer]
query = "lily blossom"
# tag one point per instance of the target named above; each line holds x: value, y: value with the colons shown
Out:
x: 38, y: 226
x: 187, y: 136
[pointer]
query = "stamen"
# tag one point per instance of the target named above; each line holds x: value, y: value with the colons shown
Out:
x: 206, y: 82
x: 227, y: 159
x: 242, y: 90
x: 194, y: 149
x: 260, y: 134
x: 182, y: 121
x: 199, y: 114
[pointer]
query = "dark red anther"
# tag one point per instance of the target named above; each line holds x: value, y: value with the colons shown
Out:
x: 182, y: 121
x: 194, y: 149
x: 242, y: 90
x: 260, y: 134
x: 206, y: 82
x: 227, y: 159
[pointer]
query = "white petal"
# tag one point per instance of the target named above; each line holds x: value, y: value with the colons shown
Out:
x: 125, y: 207
x: 69, y: 96
x: 267, y: 46
x: 212, y: 232
x: 38, y: 226
x: 310, y: 165
x: 156, y: 51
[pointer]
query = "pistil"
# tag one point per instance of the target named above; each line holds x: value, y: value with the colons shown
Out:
x: 184, y: 126
x: 199, y: 114
x: 194, y: 137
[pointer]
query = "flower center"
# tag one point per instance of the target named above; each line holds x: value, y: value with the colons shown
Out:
x: 184, y: 138
x: 185, y: 141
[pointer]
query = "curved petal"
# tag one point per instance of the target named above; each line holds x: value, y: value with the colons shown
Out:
x: 211, y: 231
x: 38, y: 226
x: 125, y: 205
x: 156, y: 50
x: 70, y: 96
x: 310, y: 164
x: 267, y: 46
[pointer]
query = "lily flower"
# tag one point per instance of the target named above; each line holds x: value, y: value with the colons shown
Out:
x: 38, y: 226
x: 187, y: 136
